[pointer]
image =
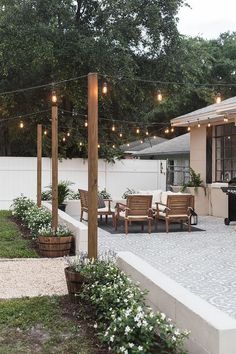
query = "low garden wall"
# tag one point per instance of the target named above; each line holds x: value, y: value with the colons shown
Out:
x: 212, y: 331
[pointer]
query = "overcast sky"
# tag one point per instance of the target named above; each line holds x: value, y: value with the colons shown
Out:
x: 207, y: 18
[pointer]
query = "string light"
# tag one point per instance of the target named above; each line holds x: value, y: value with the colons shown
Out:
x: 128, y: 144
x: 86, y: 123
x: 147, y: 133
x: 226, y: 119
x: 218, y: 98
x: 172, y: 130
x: 104, y: 88
x: 208, y: 124
x: 198, y: 124
x: 159, y: 96
x: 113, y: 146
x: 113, y: 128
x: 99, y: 146
x: 141, y: 141
x: 189, y: 128
x: 21, y: 125
x: 54, y: 97
x: 121, y: 134
x: 167, y: 130
x: 68, y: 134
x: 137, y: 131
x: 154, y: 137
x: 45, y: 132
x: 80, y: 144
x: 63, y: 139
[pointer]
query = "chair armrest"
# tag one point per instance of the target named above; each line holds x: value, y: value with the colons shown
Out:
x: 159, y: 203
x: 120, y: 206
x: 109, y: 203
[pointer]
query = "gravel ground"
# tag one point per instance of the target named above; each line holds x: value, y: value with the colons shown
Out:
x: 32, y: 277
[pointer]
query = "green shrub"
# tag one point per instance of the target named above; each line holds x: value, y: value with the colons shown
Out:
x: 124, y: 322
x: 127, y: 192
x: 37, y: 218
x: 104, y: 194
x: 20, y: 206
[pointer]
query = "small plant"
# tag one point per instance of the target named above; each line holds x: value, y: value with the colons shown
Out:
x: 127, y: 192
x: 47, y: 231
x: 77, y: 263
x: 36, y: 218
x: 21, y: 205
x: 64, y: 191
x: 74, y: 195
x: 46, y: 195
x: 195, y: 180
x: 104, y: 194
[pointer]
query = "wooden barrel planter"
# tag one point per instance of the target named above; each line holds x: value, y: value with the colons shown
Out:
x: 74, y: 281
x: 54, y: 246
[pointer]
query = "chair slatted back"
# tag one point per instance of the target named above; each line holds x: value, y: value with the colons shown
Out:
x: 83, y: 198
x: 179, y: 204
x: 139, y: 204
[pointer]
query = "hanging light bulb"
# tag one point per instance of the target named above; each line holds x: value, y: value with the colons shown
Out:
x: 159, y: 96
x: 218, y: 98
x: 104, y: 88
x: 63, y: 139
x: 226, y: 119
x: 68, y: 134
x: 208, y: 124
x: 154, y: 137
x: 137, y: 131
x: 99, y: 146
x: 147, y: 133
x: 45, y: 132
x: 172, y: 130
x: 21, y: 125
x: 167, y: 130
x: 113, y: 146
x: 113, y: 128
x: 86, y: 123
x: 128, y: 144
x: 141, y: 141
x: 189, y: 128
x: 80, y: 144
x: 198, y: 124
x: 121, y: 134
x: 54, y: 97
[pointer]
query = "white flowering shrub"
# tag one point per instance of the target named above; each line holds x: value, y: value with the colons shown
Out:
x: 124, y: 322
x: 36, y: 218
x: 48, y: 231
x: 20, y: 206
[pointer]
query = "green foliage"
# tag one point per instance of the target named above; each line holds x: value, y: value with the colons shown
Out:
x: 47, y: 231
x: 127, y: 192
x: 64, y: 191
x: 12, y: 244
x: 195, y: 180
x: 21, y: 205
x: 123, y: 321
x: 104, y: 194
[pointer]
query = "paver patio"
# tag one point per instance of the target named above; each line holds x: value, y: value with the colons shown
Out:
x: 203, y: 262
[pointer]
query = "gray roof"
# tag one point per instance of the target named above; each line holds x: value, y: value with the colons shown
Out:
x: 213, y: 111
x: 137, y: 145
x: 176, y: 146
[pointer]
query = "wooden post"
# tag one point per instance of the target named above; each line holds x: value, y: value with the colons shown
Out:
x: 39, y: 165
x: 92, y: 163
x: 54, y: 166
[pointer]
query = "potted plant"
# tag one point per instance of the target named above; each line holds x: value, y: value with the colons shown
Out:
x: 64, y: 192
x: 75, y: 278
x: 54, y: 243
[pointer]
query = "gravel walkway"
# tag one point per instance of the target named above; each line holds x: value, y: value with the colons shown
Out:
x: 32, y: 277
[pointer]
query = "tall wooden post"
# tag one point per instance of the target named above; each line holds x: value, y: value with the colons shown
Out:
x: 92, y: 163
x: 54, y: 163
x: 39, y: 165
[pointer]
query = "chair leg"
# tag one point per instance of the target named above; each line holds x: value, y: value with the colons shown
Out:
x: 167, y: 225
x: 181, y: 224
x: 115, y: 222
x: 81, y: 216
x: 189, y: 226
x: 149, y: 226
x: 126, y: 227
x: 106, y: 218
x: 142, y: 226
x: 101, y: 217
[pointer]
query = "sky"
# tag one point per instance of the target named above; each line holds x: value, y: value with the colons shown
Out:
x: 207, y: 18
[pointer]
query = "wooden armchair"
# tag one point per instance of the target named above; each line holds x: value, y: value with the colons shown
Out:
x: 177, y: 209
x: 137, y: 208
x: 102, y: 210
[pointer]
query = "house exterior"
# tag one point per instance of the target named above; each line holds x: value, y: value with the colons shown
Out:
x: 213, y: 149
x: 176, y: 152
x: 131, y: 148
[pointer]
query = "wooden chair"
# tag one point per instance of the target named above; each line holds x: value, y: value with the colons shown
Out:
x: 137, y: 208
x: 107, y: 210
x: 177, y: 209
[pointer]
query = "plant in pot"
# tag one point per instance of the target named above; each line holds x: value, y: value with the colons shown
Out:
x: 55, y: 243
x: 75, y: 277
x: 64, y: 192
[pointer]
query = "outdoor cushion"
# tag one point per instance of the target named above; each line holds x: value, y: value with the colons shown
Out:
x: 164, y: 196
x: 101, y: 203
x: 156, y: 194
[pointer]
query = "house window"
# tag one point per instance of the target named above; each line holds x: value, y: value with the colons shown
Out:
x: 225, y: 154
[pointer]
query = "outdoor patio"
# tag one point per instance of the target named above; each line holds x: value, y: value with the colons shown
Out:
x: 203, y: 262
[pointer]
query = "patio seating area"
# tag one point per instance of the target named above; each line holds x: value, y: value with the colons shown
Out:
x: 203, y: 262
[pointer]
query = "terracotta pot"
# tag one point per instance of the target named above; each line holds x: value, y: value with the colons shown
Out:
x: 74, y: 281
x: 54, y: 246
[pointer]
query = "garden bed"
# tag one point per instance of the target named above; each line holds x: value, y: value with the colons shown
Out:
x: 15, y: 240
x: 47, y: 325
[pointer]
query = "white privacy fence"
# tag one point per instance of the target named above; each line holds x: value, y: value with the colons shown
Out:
x: 19, y: 175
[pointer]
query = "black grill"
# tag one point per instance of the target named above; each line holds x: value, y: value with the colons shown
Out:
x: 231, y: 192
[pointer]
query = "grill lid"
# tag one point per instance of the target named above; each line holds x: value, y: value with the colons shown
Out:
x: 232, y: 182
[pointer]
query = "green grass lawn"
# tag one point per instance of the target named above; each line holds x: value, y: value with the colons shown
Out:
x: 12, y: 242
x: 45, y: 325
